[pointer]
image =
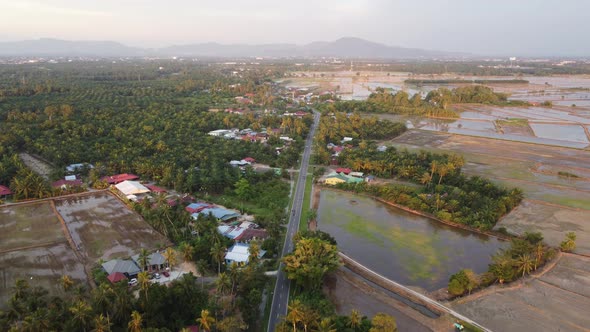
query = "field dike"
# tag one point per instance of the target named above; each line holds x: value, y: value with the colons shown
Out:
x: 411, y: 295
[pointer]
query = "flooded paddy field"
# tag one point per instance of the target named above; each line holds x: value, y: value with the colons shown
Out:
x: 28, y: 224
x: 550, y: 126
x: 102, y: 227
x: 556, y: 301
x: 39, y: 266
x: 409, y: 249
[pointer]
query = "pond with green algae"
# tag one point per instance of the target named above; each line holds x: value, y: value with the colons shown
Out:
x: 407, y: 248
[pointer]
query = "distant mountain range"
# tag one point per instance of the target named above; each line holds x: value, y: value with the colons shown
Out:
x: 342, y: 48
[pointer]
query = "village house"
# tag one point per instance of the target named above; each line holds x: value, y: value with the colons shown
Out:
x: 240, y: 254
x: 132, y: 189
x: 5, y: 191
x: 124, y: 266
x: 118, y: 178
x: 155, y: 262
x: 68, y: 181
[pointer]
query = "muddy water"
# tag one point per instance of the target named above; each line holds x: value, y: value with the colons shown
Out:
x: 409, y: 249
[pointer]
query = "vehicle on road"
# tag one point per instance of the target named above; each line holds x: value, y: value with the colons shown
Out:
x: 157, y: 275
x: 166, y: 274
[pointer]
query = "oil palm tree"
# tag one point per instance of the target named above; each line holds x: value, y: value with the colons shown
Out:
x: 254, y: 252
x: 539, y: 252
x: 206, y: 322
x: 134, y: 324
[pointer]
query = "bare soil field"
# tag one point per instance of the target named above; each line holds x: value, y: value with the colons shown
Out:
x: 40, y: 266
x: 27, y: 225
x: 556, y: 301
x: 551, y: 220
x: 35, y: 163
x: 102, y: 227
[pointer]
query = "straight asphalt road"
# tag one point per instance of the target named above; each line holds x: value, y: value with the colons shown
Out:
x: 280, y: 299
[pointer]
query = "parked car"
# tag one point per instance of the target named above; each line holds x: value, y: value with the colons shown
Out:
x: 166, y: 274
x: 157, y: 275
x: 151, y: 276
x: 132, y: 282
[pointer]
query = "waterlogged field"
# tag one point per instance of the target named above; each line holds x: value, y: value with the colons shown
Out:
x: 28, y: 225
x: 103, y: 227
x: 39, y: 266
x: 409, y: 249
x: 556, y: 301
x: 34, y: 247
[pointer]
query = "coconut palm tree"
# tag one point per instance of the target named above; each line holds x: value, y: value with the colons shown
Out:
x: 143, y: 279
x: 202, y: 268
x: 295, y: 314
x: 187, y: 252
x: 223, y: 283
x: 355, y: 319
x: 81, y: 314
x: 525, y: 264
x: 102, y: 323
x: 325, y: 325
x: 144, y: 258
x: 539, y: 252
x: 218, y: 253
x: 254, y: 252
x: 170, y: 256
x: 206, y: 322
x: 66, y: 282
x: 134, y: 324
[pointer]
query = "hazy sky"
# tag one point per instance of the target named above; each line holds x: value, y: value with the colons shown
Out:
x: 519, y: 27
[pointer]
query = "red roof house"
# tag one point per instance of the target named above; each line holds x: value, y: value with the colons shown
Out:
x: 343, y: 170
x: 155, y: 188
x: 301, y: 113
x: 5, y: 191
x: 116, y: 277
x: 67, y: 183
x: 118, y: 178
x: 249, y: 159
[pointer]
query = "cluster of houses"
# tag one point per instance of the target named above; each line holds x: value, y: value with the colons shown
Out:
x: 127, y: 269
x: 346, y: 175
x: 232, y: 225
x: 246, y: 134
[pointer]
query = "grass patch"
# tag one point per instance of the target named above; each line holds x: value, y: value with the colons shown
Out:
x: 567, y: 175
x: 306, y: 204
x: 268, y: 306
x: 580, y: 203
x: 514, y: 122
